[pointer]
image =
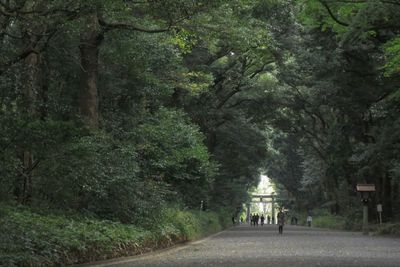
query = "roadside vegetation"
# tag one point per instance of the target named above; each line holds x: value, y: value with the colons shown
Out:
x: 114, y: 111
x: 37, y: 238
x: 392, y: 229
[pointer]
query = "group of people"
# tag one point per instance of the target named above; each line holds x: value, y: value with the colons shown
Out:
x: 281, y: 220
x: 255, y: 219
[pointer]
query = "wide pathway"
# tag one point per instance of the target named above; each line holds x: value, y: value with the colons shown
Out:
x: 263, y: 246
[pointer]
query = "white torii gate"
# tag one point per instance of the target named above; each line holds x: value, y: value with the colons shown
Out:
x: 261, y: 198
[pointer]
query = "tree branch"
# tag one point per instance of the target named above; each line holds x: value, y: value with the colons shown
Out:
x: 238, y: 103
x: 123, y: 26
x: 332, y: 15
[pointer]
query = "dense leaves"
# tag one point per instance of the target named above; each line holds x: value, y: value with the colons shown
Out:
x: 120, y: 108
x: 337, y: 115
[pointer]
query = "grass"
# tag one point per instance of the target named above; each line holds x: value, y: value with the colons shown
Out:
x: 31, y: 239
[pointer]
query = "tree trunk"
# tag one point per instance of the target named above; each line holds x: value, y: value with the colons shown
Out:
x: 29, y: 109
x: 387, y: 195
x: 89, y: 52
x: 31, y: 84
x: 44, y: 89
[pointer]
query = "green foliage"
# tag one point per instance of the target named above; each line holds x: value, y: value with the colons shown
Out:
x: 392, y: 51
x: 171, y: 149
x: 161, y: 70
x: 97, y: 168
x: 184, y: 40
x: 389, y: 229
x: 324, y: 219
x: 192, y: 224
x: 196, y: 98
x: 331, y: 127
x: 31, y: 239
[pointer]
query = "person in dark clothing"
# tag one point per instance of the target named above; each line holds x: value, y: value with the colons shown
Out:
x: 281, y: 220
x: 268, y: 219
x: 262, y: 219
x: 233, y: 219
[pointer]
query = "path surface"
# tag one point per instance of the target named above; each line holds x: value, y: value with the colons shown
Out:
x: 263, y: 246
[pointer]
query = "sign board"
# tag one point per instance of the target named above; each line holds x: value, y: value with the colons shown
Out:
x: 366, y: 188
x: 379, y: 207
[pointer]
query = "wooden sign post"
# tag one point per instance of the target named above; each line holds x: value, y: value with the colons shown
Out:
x: 365, y: 190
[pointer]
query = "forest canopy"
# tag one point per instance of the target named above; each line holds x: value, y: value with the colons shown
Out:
x: 117, y: 108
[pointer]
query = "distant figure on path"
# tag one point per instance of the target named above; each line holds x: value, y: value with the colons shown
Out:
x: 268, y: 219
x: 309, y: 220
x: 262, y: 219
x: 256, y: 219
x: 233, y: 219
x: 281, y: 220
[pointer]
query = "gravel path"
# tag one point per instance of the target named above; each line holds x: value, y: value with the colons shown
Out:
x: 263, y: 246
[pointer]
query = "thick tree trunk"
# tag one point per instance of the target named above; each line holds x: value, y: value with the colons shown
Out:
x: 29, y: 108
x: 89, y: 52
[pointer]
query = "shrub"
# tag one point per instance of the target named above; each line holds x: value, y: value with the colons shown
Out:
x: 31, y: 239
x: 28, y: 238
x: 324, y: 219
x: 192, y: 224
x: 389, y: 229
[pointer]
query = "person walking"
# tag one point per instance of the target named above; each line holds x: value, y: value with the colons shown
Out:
x: 281, y: 221
x: 262, y: 219
x: 309, y: 220
x: 268, y: 219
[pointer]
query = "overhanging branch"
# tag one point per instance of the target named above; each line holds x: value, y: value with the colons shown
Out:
x: 124, y: 26
x: 332, y: 15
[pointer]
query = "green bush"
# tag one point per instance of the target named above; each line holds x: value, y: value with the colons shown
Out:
x: 31, y: 239
x: 192, y: 224
x: 326, y: 220
x: 171, y: 148
x: 389, y: 229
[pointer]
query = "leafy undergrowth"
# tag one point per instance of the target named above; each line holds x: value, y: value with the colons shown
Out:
x: 324, y: 219
x: 30, y: 239
x: 343, y: 223
x: 329, y: 221
x: 389, y: 229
